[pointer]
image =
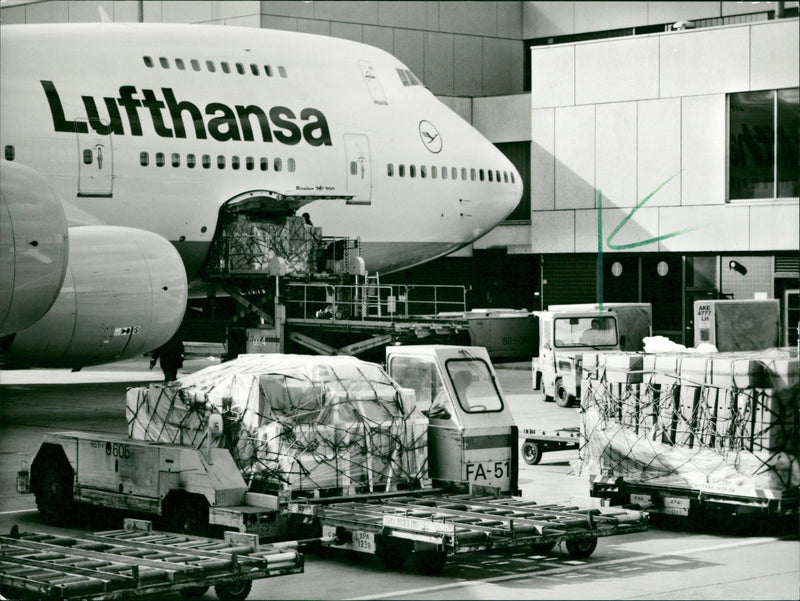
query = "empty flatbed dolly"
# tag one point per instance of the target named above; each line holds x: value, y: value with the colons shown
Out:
x: 135, y: 561
x: 429, y: 528
x: 539, y: 441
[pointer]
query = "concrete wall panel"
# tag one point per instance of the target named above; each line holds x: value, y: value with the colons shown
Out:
x: 503, y: 118
x: 599, y: 16
x: 543, y: 166
x: 56, y: 11
x: 194, y: 11
x: 775, y: 227
x: 641, y: 225
x: 468, y: 55
x: 87, y: 12
x: 244, y: 21
x: 672, y: 12
x: 380, y: 37
x: 348, y: 11
x: 575, y: 160
x: 703, y: 143
x: 348, y: 31
x: 408, y: 48
x: 615, y: 149
x: 13, y: 15
x: 471, y: 18
x: 552, y: 77
x: 125, y: 11
x: 604, y: 72
x: 282, y: 23
x: 315, y: 27
x: 725, y: 64
x: 509, y: 20
x: 229, y: 9
x: 713, y: 229
x: 759, y: 277
x: 459, y: 105
x: 497, y: 65
x: 408, y: 15
x: 439, y: 70
x: 283, y: 8
x: 659, y: 151
x: 775, y: 55
x: 542, y: 19
x: 553, y: 232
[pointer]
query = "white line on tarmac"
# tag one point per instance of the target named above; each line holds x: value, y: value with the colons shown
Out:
x: 428, y: 589
x: 18, y: 511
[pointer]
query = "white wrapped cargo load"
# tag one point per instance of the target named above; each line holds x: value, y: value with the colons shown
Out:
x: 295, y: 422
x: 722, y: 421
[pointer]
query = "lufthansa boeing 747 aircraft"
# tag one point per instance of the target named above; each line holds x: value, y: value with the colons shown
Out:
x: 122, y: 144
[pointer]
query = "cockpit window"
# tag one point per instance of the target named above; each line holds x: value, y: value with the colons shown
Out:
x: 408, y: 78
x: 474, y: 386
x: 585, y: 332
x: 403, y: 77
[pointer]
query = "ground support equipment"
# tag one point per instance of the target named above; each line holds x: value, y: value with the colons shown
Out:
x: 137, y: 561
x: 437, y: 526
x: 539, y: 441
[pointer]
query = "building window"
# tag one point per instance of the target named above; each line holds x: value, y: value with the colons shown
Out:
x: 763, y: 144
x: 519, y: 153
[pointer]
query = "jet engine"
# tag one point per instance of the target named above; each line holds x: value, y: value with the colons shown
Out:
x: 124, y: 294
x: 33, y: 247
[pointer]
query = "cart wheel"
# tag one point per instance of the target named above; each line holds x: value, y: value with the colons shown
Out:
x: 582, y: 547
x: 542, y: 548
x: 187, y: 514
x: 54, y: 494
x: 563, y: 398
x: 430, y: 562
x: 394, y: 552
x: 194, y: 591
x: 531, y: 452
x: 233, y: 591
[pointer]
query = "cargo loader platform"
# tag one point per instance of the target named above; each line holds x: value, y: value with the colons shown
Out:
x: 437, y: 526
x: 135, y: 561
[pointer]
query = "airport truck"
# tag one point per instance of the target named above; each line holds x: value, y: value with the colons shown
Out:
x: 470, y: 503
x: 566, y: 331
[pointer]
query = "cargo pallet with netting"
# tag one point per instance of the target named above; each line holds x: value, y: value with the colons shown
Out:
x: 681, y: 433
x: 136, y: 561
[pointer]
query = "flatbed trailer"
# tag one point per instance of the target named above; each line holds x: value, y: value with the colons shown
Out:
x: 432, y: 526
x: 539, y: 441
x: 136, y: 561
x: 685, y: 501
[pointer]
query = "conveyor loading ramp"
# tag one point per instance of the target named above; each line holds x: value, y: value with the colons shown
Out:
x: 131, y: 562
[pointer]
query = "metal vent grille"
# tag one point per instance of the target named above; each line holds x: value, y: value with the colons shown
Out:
x: 787, y: 266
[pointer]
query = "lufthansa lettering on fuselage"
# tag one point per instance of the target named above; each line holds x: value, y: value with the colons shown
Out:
x: 218, y: 120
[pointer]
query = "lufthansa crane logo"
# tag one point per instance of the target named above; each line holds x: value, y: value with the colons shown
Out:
x: 430, y: 136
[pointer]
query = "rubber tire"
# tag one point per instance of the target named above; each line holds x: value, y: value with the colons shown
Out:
x: 429, y: 563
x: 54, y: 494
x: 542, y: 548
x: 580, y: 548
x: 187, y: 515
x: 532, y: 452
x: 233, y: 591
x: 193, y: 592
x: 562, y: 397
x: 393, y: 553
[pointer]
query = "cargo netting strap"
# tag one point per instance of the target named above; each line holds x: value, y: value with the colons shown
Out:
x: 247, y: 244
x: 729, y: 420
x: 299, y: 423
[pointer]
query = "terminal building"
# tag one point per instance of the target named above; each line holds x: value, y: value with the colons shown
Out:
x: 659, y: 142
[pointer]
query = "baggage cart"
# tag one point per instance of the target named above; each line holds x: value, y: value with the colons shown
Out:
x: 539, y: 441
x: 135, y: 561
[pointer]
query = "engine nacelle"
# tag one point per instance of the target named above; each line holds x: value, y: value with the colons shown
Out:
x: 33, y: 247
x: 124, y: 294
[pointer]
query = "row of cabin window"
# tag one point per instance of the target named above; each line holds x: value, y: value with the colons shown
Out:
x: 250, y: 163
x: 211, y: 66
x: 471, y: 174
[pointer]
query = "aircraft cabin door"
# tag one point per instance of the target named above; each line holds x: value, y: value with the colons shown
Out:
x: 95, y: 164
x: 359, y: 168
